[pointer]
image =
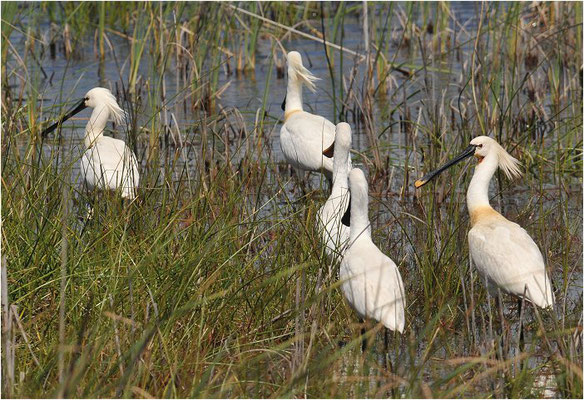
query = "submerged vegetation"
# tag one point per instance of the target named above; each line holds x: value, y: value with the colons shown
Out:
x: 215, y: 283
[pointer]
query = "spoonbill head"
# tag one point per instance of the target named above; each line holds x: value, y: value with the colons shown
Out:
x: 481, y: 147
x: 304, y: 136
x: 502, y: 251
x: 298, y: 75
x: 96, y: 97
x: 371, y: 282
x: 334, y: 215
x: 107, y: 163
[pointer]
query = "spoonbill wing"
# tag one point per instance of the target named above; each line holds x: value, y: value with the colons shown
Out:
x: 504, y: 252
x: 374, y: 287
x: 303, y: 138
x: 109, y: 164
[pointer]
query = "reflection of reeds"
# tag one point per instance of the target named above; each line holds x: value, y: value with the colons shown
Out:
x: 214, y: 282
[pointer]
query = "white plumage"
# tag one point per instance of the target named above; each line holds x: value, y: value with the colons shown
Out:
x: 335, y: 234
x: 505, y: 254
x: 304, y: 136
x: 502, y: 251
x: 107, y: 162
x: 370, y: 280
x: 117, y: 170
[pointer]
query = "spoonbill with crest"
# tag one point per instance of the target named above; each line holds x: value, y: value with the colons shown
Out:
x: 502, y: 251
x: 107, y: 163
x: 304, y: 136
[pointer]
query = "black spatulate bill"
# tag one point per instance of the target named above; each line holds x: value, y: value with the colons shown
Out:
x: 330, y: 151
x: 469, y: 151
x: 79, y: 107
x: 346, y: 218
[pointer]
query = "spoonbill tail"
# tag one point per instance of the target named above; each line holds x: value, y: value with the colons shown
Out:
x: 304, y: 136
x: 107, y: 163
x: 502, y: 251
x: 370, y: 280
x: 334, y: 215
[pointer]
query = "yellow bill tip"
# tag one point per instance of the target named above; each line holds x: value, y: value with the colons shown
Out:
x: 419, y: 183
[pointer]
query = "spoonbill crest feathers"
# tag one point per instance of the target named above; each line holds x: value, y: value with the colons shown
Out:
x: 99, y: 95
x: 508, y: 164
x: 298, y: 72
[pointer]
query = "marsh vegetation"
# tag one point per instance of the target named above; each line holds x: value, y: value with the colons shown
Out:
x: 215, y: 283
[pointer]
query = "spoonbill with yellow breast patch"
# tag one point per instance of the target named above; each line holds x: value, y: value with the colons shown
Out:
x: 501, y: 250
x: 304, y: 136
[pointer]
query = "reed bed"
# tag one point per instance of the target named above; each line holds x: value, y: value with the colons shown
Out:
x: 214, y: 283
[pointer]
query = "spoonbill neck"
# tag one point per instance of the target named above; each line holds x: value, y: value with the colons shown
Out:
x: 359, y: 217
x: 340, y: 169
x: 293, y: 94
x: 96, y: 125
x: 477, y: 196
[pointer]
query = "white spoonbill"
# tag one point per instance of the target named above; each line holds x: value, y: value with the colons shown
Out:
x: 304, y: 136
x: 370, y: 280
x: 333, y: 217
x: 107, y: 163
x: 502, y: 251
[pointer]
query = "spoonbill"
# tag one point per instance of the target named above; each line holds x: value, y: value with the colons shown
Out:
x: 333, y: 217
x: 371, y: 282
x: 107, y: 163
x: 502, y: 251
x: 304, y: 136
